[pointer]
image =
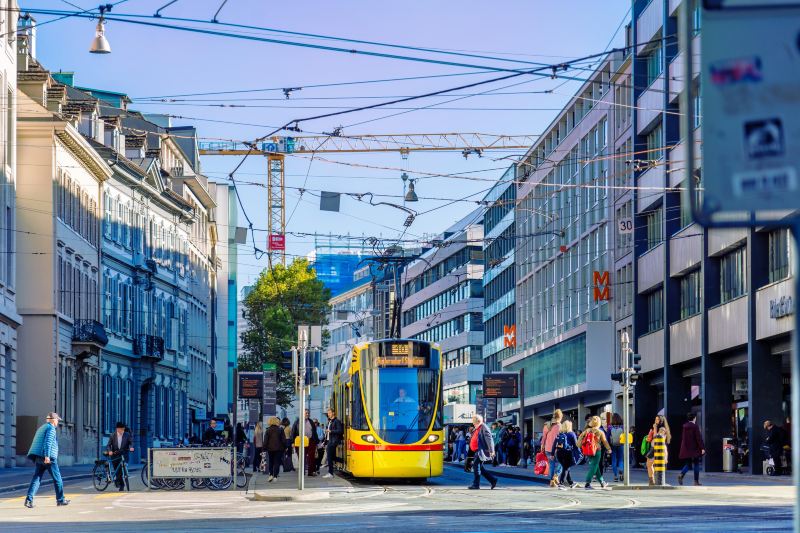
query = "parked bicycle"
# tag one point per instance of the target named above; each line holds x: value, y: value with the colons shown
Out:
x: 105, y: 471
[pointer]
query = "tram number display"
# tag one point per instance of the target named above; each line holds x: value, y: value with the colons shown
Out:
x: 500, y: 385
x: 400, y: 354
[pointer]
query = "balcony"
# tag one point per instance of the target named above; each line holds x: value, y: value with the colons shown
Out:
x: 685, y: 250
x: 685, y: 339
x: 651, y: 348
x: 676, y: 70
x: 650, y: 105
x: 651, y: 268
x: 727, y: 325
x: 91, y: 332
x: 649, y: 24
x: 651, y: 184
x: 149, y: 346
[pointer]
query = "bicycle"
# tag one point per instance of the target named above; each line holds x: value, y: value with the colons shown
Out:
x: 104, y: 472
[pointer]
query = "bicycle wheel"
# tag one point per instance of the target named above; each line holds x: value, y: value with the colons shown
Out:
x: 220, y: 483
x: 100, y: 477
x: 153, y: 482
x: 199, y: 482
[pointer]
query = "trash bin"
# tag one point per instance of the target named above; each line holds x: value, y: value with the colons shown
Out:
x: 727, y: 455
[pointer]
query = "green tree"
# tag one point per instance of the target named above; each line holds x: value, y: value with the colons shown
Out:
x: 282, y: 298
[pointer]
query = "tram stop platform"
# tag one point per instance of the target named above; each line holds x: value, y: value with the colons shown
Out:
x: 284, y: 487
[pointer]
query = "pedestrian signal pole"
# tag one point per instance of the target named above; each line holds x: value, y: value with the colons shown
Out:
x: 301, y: 420
x: 625, y: 359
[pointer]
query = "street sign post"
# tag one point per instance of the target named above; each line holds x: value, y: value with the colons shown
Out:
x: 751, y: 120
x: 751, y: 113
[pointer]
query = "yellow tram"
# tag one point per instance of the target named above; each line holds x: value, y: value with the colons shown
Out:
x: 388, y: 394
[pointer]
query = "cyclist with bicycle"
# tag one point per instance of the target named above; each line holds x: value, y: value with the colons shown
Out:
x: 120, y: 444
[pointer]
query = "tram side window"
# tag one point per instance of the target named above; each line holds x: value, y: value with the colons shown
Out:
x: 359, y: 417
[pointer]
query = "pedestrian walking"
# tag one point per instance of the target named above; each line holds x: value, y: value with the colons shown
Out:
x: 482, y: 444
x: 549, y: 440
x: 258, y: 445
x: 658, y: 423
x: 692, y: 448
x: 566, y: 452
x: 119, y: 446
x: 44, y: 453
x: 774, y: 440
x: 460, y: 449
x: 320, y: 431
x: 288, y: 465
x: 592, y: 441
x: 275, y: 443
x: 617, y: 442
x: 335, y: 433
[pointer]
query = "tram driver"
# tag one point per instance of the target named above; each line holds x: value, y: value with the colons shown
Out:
x: 404, y: 410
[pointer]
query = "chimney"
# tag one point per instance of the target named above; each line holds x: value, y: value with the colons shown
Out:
x: 134, y: 146
x: 26, y: 38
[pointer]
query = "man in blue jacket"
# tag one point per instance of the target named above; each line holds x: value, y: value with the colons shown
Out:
x: 483, y: 445
x: 44, y: 452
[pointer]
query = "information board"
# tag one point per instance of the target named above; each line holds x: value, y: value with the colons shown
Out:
x: 501, y: 385
x: 191, y: 462
x: 750, y: 110
x: 269, y: 405
x: 251, y: 385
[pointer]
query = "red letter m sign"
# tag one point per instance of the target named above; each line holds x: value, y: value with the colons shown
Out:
x: 600, y: 282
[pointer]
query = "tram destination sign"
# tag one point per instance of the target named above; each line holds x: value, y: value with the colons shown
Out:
x: 251, y: 385
x: 501, y: 385
x: 400, y: 354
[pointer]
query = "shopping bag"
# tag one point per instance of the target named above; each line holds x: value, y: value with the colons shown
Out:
x: 542, y: 466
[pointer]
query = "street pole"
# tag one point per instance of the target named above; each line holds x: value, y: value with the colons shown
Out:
x: 795, y: 380
x: 233, y: 417
x: 301, y: 420
x: 625, y: 356
x: 522, y: 415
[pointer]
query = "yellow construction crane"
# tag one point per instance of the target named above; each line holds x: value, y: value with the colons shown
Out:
x: 277, y: 148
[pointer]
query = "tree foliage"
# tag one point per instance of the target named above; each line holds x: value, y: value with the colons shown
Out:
x: 282, y: 298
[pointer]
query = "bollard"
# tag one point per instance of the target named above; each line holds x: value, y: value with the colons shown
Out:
x: 660, y: 460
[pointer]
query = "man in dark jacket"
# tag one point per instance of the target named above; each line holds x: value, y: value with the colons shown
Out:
x: 482, y: 444
x: 334, y: 437
x: 774, y: 439
x: 692, y: 448
x: 120, y: 444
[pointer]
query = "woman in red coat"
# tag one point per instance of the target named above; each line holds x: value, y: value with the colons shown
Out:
x: 692, y: 449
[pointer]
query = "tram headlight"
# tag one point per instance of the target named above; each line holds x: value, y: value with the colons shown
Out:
x: 368, y: 438
x: 433, y: 438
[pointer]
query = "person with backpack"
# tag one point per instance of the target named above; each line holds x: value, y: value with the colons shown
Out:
x: 617, y: 441
x: 548, y: 444
x: 592, y: 442
x: 567, y: 454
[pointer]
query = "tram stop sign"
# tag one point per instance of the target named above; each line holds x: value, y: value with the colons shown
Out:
x: 750, y: 82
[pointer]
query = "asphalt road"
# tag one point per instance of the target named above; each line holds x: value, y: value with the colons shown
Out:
x: 443, y: 504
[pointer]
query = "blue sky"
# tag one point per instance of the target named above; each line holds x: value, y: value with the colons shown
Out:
x: 149, y: 62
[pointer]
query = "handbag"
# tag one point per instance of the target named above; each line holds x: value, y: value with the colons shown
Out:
x: 542, y: 465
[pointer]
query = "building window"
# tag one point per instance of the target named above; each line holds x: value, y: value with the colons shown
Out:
x: 691, y: 295
x: 779, y: 255
x: 655, y: 62
x: 653, y: 222
x: 733, y: 275
x: 655, y: 310
x: 655, y: 144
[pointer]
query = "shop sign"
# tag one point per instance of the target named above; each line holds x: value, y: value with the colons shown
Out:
x: 781, y: 307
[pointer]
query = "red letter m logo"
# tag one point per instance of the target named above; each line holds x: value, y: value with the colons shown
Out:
x: 600, y: 282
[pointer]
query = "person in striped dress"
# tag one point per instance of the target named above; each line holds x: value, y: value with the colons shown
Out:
x: 44, y: 453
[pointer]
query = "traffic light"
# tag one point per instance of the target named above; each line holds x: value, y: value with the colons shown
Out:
x: 289, y: 361
x: 618, y: 377
x: 636, y: 366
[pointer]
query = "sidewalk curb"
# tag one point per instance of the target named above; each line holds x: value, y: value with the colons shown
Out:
x: 73, y: 477
x: 300, y: 497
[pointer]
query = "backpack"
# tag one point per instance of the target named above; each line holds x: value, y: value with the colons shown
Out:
x: 563, y: 443
x: 590, y: 444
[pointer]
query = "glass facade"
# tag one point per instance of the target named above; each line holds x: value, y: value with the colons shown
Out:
x: 733, y: 275
x: 655, y: 310
x: 554, y: 368
x: 779, y: 255
x: 691, y: 294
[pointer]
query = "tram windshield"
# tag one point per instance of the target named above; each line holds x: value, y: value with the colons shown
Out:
x: 400, y: 401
